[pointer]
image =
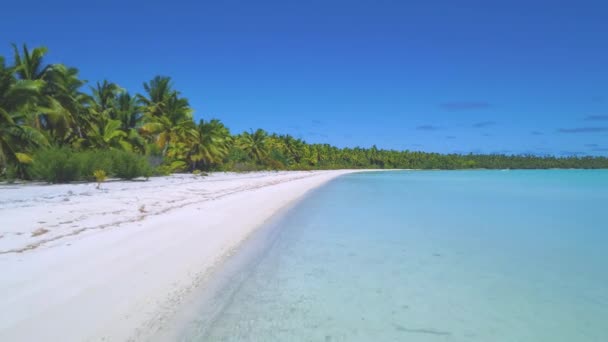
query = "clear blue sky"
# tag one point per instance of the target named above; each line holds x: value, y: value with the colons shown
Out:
x: 445, y: 76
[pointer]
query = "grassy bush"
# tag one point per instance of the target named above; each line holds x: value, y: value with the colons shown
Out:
x: 56, y: 165
x: 274, y: 164
x: 162, y: 170
x: 63, y: 165
x: 92, y: 161
x: 10, y: 174
x: 128, y: 165
x: 245, y: 167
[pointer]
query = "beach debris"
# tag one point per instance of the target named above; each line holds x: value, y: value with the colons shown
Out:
x: 39, y: 232
x: 401, y: 328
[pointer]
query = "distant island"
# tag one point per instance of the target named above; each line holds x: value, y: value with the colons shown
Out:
x: 53, y: 130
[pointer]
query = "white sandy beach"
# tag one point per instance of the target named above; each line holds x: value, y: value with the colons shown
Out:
x: 81, y: 264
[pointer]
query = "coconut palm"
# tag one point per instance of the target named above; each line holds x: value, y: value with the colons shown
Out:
x: 159, y: 93
x: 254, y: 144
x: 128, y: 111
x: 104, y: 98
x: 211, y: 143
x: 294, y: 148
x: 173, y: 125
x: 69, y: 106
x: 106, y: 133
x: 30, y: 65
x: 17, y: 94
x: 59, y: 103
x: 16, y: 138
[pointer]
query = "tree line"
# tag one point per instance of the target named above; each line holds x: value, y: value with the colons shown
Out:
x: 49, y: 118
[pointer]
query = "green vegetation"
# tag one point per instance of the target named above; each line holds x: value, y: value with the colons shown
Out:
x: 53, y: 129
x: 100, y: 177
x: 57, y: 165
x: 65, y: 164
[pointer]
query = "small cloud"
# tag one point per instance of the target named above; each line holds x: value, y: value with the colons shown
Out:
x: 487, y: 135
x: 450, y: 137
x: 583, y: 130
x: 484, y: 124
x: 572, y: 153
x: 464, y: 105
x: 427, y: 128
x: 591, y: 145
x: 600, y: 149
x: 531, y: 153
x: 316, y: 122
x: 597, y: 118
x: 536, y: 133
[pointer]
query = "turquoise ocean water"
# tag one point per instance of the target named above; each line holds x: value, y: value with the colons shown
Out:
x: 424, y: 256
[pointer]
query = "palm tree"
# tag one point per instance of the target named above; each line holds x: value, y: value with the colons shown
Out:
x: 294, y: 147
x: 67, y: 120
x: 211, y: 143
x: 16, y: 138
x: 106, y: 134
x: 15, y: 94
x: 159, y: 92
x: 59, y: 103
x: 30, y: 66
x: 311, y: 155
x: 16, y: 141
x: 254, y: 144
x: 104, y: 98
x: 173, y: 125
x: 128, y: 111
x: 167, y: 116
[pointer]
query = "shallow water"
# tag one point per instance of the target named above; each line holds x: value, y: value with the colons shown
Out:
x: 425, y: 256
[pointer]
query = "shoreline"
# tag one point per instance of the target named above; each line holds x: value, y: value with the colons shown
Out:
x: 203, y: 305
x: 117, y: 264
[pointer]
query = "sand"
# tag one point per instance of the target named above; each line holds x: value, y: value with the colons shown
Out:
x: 115, y: 264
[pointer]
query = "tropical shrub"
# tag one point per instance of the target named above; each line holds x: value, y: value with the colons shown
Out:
x: 274, y: 164
x: 10, y: 174
x: 56, y: 165
x: 93, y: 160
x: 129, y: 165
x: 162, y: 170
x: 63, y: 165
x: 245, y: 167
